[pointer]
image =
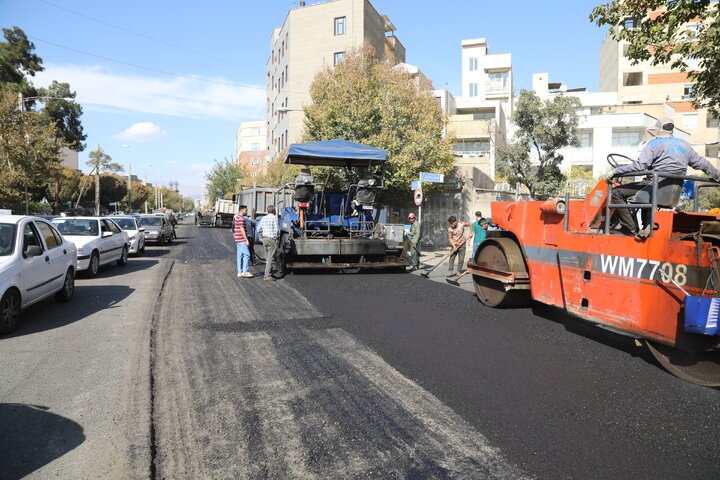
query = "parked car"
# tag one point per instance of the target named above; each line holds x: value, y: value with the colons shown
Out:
x: 35, y: 262
x: 99, y: 241
x: 135, y: 231
x: 157, y: 228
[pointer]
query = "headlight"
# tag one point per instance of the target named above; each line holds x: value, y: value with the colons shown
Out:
x: 131, y: 237
x: 80, y: 251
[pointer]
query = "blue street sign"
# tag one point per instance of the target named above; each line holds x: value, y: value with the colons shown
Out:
x: 111, y: 204
x: 415, y: 185
x: 432, y: 177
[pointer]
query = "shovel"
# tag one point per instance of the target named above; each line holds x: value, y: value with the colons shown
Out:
x: 456, y: 281
x: 427, y: 274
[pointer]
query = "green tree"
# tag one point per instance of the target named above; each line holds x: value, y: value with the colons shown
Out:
x: 65, y: 114
x: 139, y: 195
x: 370, y: 102
x: 29, y: 153
x: 661, y: 34
x: 225, y: 177
x: 543, y: 128
x: 101, y: 161
x: 17, y: 62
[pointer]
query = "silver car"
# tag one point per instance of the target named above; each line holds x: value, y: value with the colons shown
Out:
x: 135, y: 231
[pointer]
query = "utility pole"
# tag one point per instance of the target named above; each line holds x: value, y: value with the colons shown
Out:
x: 97, y: 182
x: 130, y: 187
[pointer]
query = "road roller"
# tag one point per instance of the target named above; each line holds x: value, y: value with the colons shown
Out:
x: 662, y: 287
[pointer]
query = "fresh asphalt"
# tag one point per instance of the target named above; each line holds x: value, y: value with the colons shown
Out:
x: 176, y: 368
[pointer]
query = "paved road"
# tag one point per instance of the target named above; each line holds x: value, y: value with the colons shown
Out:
x: 335, y: 376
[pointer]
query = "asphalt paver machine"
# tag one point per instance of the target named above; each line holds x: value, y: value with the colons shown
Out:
x: 336, y: 229
x: 662, y: 289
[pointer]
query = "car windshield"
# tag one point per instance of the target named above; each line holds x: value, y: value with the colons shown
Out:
x: 75, y: 226
x: 7, y: 239
x: 152, y: 221
x: 125, y: 223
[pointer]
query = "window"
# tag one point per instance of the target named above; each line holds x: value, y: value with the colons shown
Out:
x: 339, y: 57
x: 484, y: 116
x: 711, y: 122
x: 114, y: 228
x: 255, y: 131
x: 626, y: 139
x: 340, y: 26
x: 632, y: 79
x: 473, y: 90
x: 630, y: 22
x: 692, y: 31
x: 585, y: 139
x: 255, y: 147
x: 255, y: 161
x: 472, y: 147
x: 498, y: 80
x: 688, y: 91
x: 473, y: 64
x: 30, y: 237
x: 690, y: 120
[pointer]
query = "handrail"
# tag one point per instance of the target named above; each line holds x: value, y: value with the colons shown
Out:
x: 655, y: 176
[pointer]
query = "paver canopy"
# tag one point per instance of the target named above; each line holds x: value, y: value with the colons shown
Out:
x: 334, y: 153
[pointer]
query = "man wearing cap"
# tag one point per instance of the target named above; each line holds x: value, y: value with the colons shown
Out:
x: 414, y: 235
x: 662, y: 153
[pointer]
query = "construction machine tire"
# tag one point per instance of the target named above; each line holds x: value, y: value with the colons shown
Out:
x: 502, y: 254
x: 700, y: 368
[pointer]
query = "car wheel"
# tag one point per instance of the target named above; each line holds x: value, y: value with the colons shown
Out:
x: 169, y: 239
x: 94, y: 266
x: 141, y: 250
x: 123, y: 257
x: 68, y: 288
x: 9, y: 311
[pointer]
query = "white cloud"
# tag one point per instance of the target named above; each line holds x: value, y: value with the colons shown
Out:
x: 141, y: 132
x: 200, y: 166
x: 99, y: 89
x: 171, y: 162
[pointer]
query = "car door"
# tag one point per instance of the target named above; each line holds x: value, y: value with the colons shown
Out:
x: 55, y: 252
x: 36, y: 274
x: 119, y: 238
x: 106, y: 245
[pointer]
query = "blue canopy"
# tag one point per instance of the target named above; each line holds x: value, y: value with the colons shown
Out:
x: 334, y: 153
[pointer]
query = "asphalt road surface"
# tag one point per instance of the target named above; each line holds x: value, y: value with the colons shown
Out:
x: 176, y: 368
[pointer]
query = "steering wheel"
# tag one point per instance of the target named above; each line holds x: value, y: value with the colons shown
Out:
x: 613, y: 158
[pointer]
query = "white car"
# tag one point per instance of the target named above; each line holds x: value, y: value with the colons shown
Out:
x: 135, y: 231
x: 99, y: 241
x: 35, y: 262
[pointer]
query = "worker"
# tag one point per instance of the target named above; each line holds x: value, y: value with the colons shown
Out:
x: 241, y: 243
x: 662, y: 153
x: 250, y: 232
x: 479, y: 227
x: 270, y: 233
x: 414, y: 236
x: 457, y: 239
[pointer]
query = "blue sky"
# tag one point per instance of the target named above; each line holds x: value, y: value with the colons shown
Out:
x: 175, y: 127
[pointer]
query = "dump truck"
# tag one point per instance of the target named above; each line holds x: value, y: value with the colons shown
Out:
x: 663, y: 289
x: 223, y: 212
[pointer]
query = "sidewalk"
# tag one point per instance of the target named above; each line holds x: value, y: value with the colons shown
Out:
x: 430, y: 259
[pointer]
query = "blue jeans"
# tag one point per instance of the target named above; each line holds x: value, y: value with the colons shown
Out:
x: 243, y: 257
x: 475, y: 247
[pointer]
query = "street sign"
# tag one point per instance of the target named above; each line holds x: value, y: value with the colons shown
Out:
x: 432, y: 177
x: 415, y: 185
x: 418, y: 197
x: 111, y: 204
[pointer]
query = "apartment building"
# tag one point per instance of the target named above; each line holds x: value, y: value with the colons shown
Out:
x: 251, y: 146
x: 644, y: 86
x: 605, y: 126
x: 312, y: 38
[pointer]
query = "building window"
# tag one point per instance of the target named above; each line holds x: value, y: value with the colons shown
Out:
x: 626, y: 139
x: 473, y: 64
x: 693, y: 32
x: 688, y: 91
x: 632, y: 79
x: 255, y: 131
x: 473, y: 90
x: 340, y: 26
x: 338, y: 57
x: 630, y: 22
x: 585, y: 139
x: 498, y: 80
x: 255, y: 147
x: 472, y: 148
x: 690, y: 120
x: 255, y: 161
x: 484, y: 116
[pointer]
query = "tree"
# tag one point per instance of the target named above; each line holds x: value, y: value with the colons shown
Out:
x: 224, y: 177
x: 543, y: 128
x: 65, y: 114
x: 370, y: 102
x: 17, y: 62
x: 29, y: 152
x: 668, y: 32
x: 138, y: 195
x: 101, y: 161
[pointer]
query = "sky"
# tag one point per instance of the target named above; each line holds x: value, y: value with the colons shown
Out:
x: 164, y: 84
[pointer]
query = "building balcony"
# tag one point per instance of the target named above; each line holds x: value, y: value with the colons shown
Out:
x: 464, y: 126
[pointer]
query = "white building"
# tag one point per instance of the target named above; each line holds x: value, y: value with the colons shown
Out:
x: 251, y: 146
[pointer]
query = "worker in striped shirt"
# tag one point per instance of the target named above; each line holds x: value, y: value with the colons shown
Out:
x: 241, y: 243
x: 268, y: 229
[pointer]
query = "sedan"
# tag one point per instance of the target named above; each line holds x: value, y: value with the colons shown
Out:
x: 135, y: 231
x: 35, y: 262
x: 157, y: 228
x: 99, y: 241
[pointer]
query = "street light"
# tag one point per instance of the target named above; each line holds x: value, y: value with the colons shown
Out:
x: 287, y: 109
x: 22, y: 99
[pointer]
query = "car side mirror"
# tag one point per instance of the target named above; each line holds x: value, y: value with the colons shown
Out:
x: 141, y: 229
x: 33, y: 251
x: 106, y: 234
